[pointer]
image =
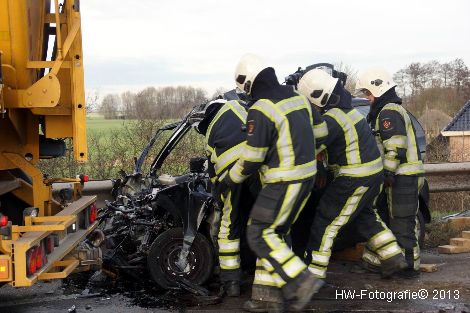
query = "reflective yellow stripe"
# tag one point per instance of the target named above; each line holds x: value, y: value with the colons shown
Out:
x: 292, y: 104
x: 412, y: 152
x: 224, y: 230
x: 361, y: 170
x: 380, y: 239
x: 321, y: 273
x: 320, y: 130
x: 221, y: 111
x: 293, y: 267
x: 391, y: 164
x: 350, y: 135
x: 236, y: 172
x: 355, y: 116
x: 292, y: 193
x: 321, y: 258
x: 388, y: 251
x: 396, y: 141
x: 238, y: 110
x: 370, y: 257
x: 228, y: 157
x: 229, y: 262
x: 284, y: 142
x: 266, y: 264
x: 297, y: 172
x: 332, y: 230
x: 281, y: 255
x: 227, y: 246
x: 254, y: 154
x: 263, y: 278
x: 279, y: 281
x: 410, y: 168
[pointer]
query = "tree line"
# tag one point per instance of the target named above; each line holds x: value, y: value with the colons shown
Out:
x: 429, y: 85
x: 434, y: 85
x: 152, y: 103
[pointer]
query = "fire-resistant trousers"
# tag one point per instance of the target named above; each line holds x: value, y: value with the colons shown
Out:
x: 403, y: 202
x: 277, y: 207
x: 348, y: 200
x: 236, y: 204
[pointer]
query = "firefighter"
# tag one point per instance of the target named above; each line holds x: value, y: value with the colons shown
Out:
x: 404, y: 171
x: 281, y: 148
x: 354, y: 158
x: 222, y: 127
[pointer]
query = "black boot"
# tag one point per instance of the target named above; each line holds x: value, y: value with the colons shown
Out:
x: 364, y: 267
x: 393, y: 265
x: 300, y: 291
x: 264, y: 299
x: 232, y: 288
x: 262, y: 306
x: 408, y: 273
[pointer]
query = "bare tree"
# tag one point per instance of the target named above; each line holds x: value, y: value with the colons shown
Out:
x: 352, y: 75
x: 401, y: 79
x: 110, y: 106
x: 446, y: 72
x: 128, y: 104
x: 92, y: 98
x: 460, y: 73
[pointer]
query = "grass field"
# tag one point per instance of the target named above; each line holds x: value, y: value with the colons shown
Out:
x: 99, y: 124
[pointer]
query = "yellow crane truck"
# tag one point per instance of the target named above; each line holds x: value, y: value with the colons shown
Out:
x: 42, y: 105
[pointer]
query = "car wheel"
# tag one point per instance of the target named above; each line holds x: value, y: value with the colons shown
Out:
x: 420, y: 228
x: 164, y: 253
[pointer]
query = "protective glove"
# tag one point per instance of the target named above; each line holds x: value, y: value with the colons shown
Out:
x: 389, y: 179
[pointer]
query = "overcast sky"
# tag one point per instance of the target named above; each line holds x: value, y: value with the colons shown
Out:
x: 133, y: 44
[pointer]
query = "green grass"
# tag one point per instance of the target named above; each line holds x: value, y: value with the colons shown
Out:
x: 99, y: 124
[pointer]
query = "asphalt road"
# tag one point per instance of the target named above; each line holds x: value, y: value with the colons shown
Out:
x: 447, y: 290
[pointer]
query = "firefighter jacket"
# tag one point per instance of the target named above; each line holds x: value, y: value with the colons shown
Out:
x: 225, y: 138
x: 320, y: 130
x: 396, y: 136
x: 350, y: 145
x: 280, y: 142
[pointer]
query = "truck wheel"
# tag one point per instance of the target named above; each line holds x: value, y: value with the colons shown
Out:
x: 420, y: 228
x: 164, y: 253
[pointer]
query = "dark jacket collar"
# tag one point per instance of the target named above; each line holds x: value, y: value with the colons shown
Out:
x: 390, y: 96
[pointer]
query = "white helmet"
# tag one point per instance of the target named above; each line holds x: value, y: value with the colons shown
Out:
x: 247, y: 69
x: 376, y: 80
x: 317, y: 85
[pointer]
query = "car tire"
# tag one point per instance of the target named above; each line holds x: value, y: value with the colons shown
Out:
x: 163, y: 253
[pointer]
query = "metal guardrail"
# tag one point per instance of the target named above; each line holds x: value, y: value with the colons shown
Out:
x: 448, y: 177
x: 443, y: 169
x: 442, y: 177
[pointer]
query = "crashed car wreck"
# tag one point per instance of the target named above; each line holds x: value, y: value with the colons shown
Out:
x: 163, y: 225
x: 167, y: 226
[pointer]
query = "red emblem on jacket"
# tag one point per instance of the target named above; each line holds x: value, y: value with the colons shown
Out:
x: 387, y: 124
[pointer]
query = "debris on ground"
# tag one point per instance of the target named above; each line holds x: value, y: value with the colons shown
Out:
x: 428, y: 268
x: 457, y: 245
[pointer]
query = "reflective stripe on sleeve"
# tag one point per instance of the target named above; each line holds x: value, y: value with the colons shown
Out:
x: 410, y: 168
x: 254, y: 154
x: 320, y: 130
x: 228, y: 157
x: 396, y: 141
x: 290, y: 174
